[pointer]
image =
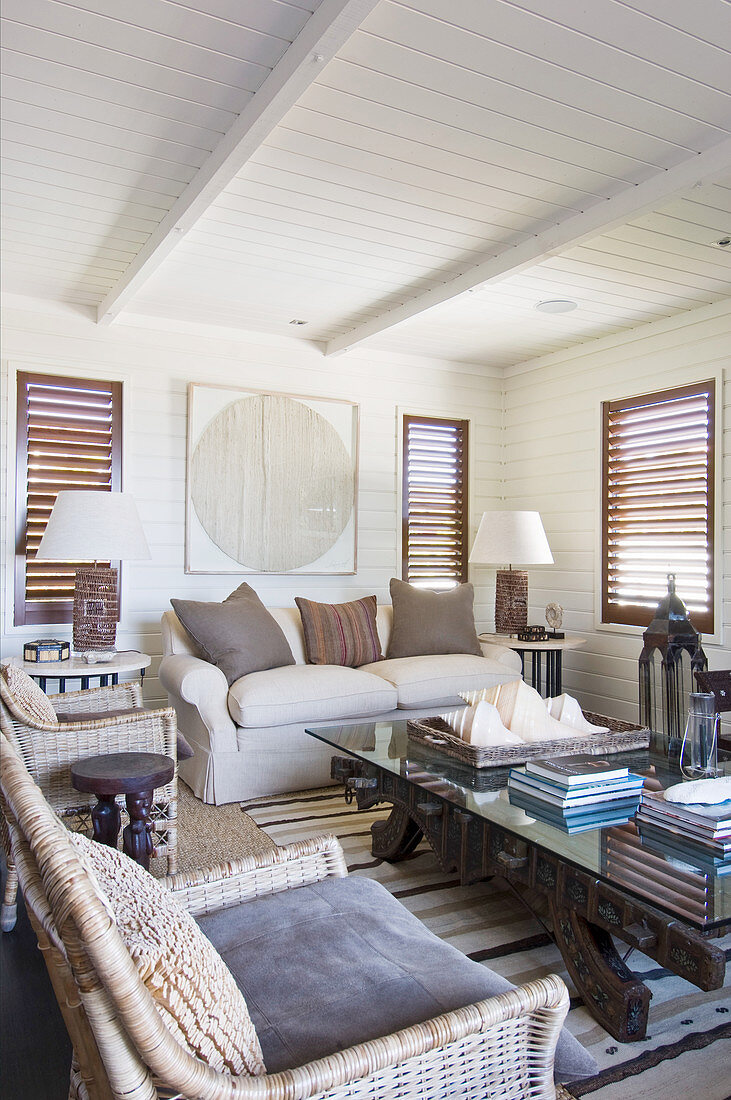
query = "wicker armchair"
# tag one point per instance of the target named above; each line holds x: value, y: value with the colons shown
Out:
x: 49, y: 750
x: 122, y: 1047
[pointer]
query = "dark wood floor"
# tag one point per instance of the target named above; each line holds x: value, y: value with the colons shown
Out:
x: 35, y: 1052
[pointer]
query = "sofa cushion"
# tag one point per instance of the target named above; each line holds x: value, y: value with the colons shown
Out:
x: 326, y: 966
x: 308, y: 693
x: 239, y: 635
x: 437, y: 681
x: 193, y: 991
x: 432, y: 622
x: 340, y: 633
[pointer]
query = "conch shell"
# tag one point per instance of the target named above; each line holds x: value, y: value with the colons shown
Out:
x: 566, y: 710
x: 522, y: 710
x: 481, y: 726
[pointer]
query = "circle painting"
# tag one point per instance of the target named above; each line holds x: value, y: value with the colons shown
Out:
x: 272, y: 483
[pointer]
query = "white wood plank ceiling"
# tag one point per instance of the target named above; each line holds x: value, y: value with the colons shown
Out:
x: 408, y: 173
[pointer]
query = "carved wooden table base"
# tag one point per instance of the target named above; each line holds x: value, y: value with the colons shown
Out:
x: 135, y: 775
x: 585, y: 911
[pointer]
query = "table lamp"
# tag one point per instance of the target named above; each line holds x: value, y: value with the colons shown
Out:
x: 94, y: 525
x: 511, y: 537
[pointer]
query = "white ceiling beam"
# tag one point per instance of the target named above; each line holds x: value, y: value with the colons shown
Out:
x: 602, y: 217
x: 325, y: 32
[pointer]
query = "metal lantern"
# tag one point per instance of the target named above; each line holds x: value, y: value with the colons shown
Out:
x: 671, y: 653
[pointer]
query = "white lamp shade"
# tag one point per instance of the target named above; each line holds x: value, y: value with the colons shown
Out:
x: 88, y: 525
x: 511, y: 538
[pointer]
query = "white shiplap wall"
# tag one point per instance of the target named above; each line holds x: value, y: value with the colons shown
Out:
x: 156, y: 367
x: 552, y: 459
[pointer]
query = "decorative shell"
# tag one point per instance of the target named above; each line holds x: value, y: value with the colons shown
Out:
x: 521, y: 710
x: 566, y: 710
x: 554, y: 615
x: 706, y: 792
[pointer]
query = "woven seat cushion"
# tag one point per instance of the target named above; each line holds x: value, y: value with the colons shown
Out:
x: 195, y: 994
x: 326, y: 966
x: 30, y: 703
x: 437, y: 681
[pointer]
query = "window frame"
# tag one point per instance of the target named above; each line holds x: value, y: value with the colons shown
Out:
x: 635, y: 618
x: 463, y: 425
x: 48, y: 613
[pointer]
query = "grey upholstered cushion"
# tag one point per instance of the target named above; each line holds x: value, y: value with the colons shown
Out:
x: 326, y: 966
x: 432, y: 622
x: 239, y: 635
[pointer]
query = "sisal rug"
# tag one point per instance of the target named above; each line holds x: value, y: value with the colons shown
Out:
x: 208, y: 835
x: 687, y: 1052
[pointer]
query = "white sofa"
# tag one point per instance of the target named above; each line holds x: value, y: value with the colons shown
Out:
x: 249, y: 739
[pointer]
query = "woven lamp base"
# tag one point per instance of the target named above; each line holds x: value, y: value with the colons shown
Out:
x: 511, y: 600
x: 96, y: 609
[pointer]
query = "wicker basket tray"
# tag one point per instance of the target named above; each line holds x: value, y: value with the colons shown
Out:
x: 622, y: 737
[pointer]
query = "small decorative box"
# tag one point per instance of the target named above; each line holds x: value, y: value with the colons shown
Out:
x: 46, y: 650
x: 533, y: 634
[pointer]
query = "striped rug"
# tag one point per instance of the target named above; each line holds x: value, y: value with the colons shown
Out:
x: 687, y: 1053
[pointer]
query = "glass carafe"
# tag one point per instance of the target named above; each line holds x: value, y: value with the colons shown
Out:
x: 699, y: 750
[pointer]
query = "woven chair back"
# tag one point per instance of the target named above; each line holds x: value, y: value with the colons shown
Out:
x: 72, y: 926
x: 122, y: 1048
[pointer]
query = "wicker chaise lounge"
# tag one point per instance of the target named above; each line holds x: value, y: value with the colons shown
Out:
x: 502, y: 1046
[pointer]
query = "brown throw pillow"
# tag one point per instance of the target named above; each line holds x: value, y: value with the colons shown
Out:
x: 432, y: 622
x: 340, y: 633
x: 239, y: 635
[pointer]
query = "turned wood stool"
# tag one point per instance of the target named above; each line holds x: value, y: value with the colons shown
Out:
x: 134, y: 774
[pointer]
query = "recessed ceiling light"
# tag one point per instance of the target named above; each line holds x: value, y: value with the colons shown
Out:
x: 557, y: 305
x: 724, y: 242
x: 297, y: 322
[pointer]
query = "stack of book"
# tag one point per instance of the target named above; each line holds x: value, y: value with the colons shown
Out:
x: 575, y: 793
x: 701, y: 835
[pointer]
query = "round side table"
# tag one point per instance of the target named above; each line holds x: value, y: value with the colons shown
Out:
x: 553, y: 648
x: 135, y: 775
x: 76, y: 668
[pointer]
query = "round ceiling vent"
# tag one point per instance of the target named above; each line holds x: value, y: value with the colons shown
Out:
x: 557, y: 305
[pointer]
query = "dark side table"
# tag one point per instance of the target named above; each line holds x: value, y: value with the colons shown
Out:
x: 134, y: 774
x: 553, y: 648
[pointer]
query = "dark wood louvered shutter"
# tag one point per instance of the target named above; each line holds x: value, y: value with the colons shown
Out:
x: 658, y: 481
x: 69, y: 436
x: 434, y: 502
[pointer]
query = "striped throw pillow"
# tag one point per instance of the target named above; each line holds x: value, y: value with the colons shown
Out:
x: 340, y: 633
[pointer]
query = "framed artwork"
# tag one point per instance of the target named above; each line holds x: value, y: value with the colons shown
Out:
x: 271, y: 483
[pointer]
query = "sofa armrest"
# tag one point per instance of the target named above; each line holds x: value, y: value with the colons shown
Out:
x: 504, y: 656
x: 298, y: 864
x: 203, y: 686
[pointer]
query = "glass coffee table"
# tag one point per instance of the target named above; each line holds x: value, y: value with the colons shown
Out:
x: 587, y: 887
